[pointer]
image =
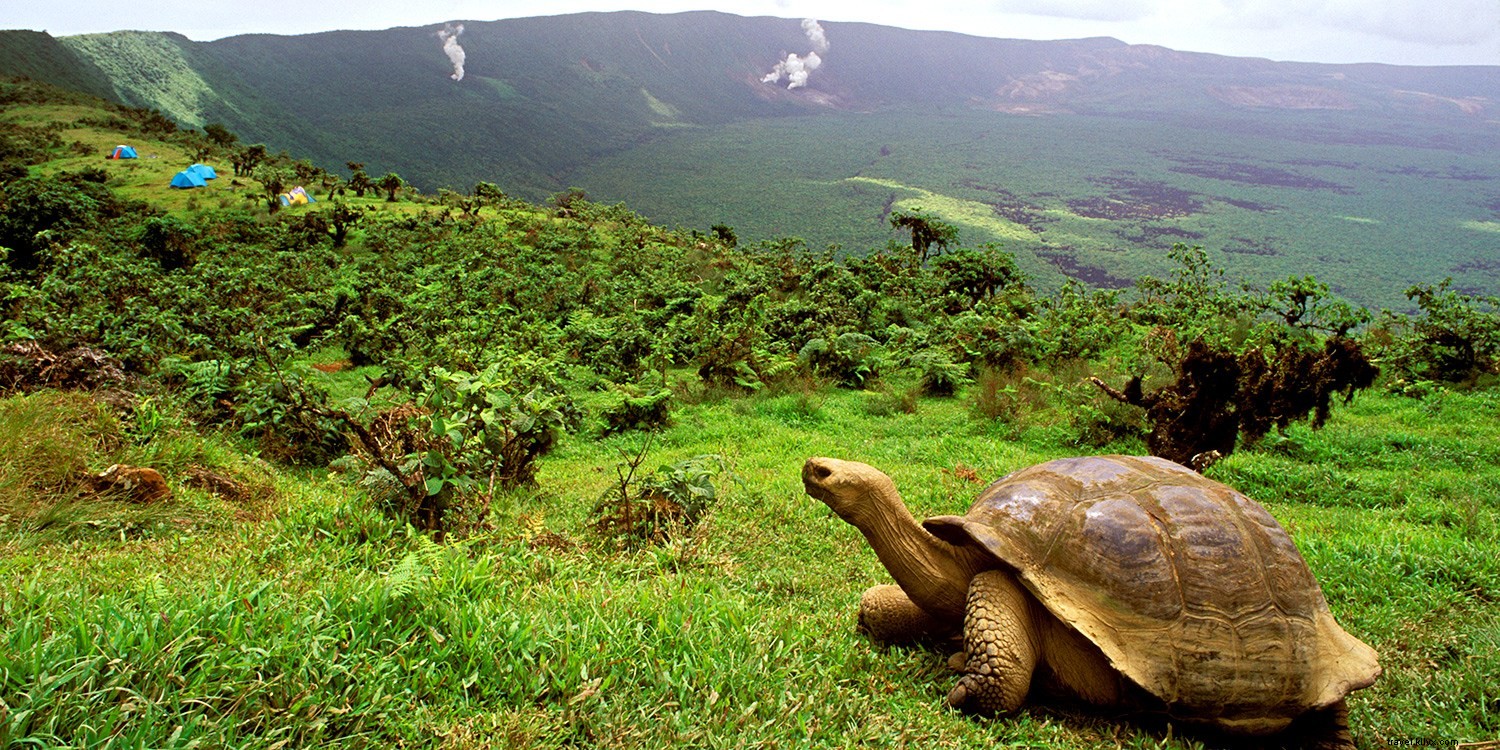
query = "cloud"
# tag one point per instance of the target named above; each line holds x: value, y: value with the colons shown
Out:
x: 1459, y: 22
x: 1083, y: 10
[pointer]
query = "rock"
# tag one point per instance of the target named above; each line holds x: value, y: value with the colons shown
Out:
x: 137, y: 483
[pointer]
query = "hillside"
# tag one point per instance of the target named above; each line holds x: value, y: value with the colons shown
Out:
x: 397, y: 469
x: 1086, y: 158
x: 40, y: 57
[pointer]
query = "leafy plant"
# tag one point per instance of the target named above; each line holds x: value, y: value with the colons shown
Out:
x: 1455, y: 339
x: 638, y: 411
x: 849, y: 359
x: 940, y: 375
x: 659, y: 508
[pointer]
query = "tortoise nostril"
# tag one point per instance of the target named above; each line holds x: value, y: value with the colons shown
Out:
x: 821, y: 472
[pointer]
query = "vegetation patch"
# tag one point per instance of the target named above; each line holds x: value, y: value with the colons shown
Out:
x: 1009, y: 206
x: 964, y: 213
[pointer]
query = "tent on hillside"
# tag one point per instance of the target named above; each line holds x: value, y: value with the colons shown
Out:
x: 123, y: 152
x: 296, y: 197
x: 204, y: 171
x: 187, y: 178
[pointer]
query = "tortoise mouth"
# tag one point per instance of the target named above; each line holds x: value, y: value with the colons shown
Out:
x: 815, y: 473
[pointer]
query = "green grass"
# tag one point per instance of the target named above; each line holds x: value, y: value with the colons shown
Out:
x: 329, y: 625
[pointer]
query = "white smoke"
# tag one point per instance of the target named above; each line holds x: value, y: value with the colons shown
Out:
x: 795, y: 68
x: 814, y: 32
x: 455, y: 53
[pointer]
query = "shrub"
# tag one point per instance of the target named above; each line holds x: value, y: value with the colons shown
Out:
x: 465, y: 435
x: 169, y: 241
x: 1456, y: 339
x: 973, y: 275
x: 940, y: 375
x: 1009, y: 395
x: 269, y: 413
x: 636, y: 411
x: 1218, y: 395
x: 851, y: 360
x: 659, y: 508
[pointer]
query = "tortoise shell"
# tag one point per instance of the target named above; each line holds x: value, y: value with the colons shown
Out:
x: 1192, y: 590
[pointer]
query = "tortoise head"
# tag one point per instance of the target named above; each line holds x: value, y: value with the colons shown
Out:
x: 852, y: 489
x: 934, y: 573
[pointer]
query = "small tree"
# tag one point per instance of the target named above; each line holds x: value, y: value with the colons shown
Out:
x: 274, y: 180
x: 220, y: 135
x: 360, y: 183
x: 390, y: 183
x: 341, y: 219
x: 725, y: 234
x: 247, y: 159
x: 1456, y: 339
x: 1305, y: 304
x: 306, y: 171
x: 568, y: 202
x: 926, y: 232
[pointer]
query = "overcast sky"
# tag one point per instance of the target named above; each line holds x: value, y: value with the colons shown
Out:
x: 1404, y: 32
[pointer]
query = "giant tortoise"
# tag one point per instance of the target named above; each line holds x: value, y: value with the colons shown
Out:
x: 1121, y: 581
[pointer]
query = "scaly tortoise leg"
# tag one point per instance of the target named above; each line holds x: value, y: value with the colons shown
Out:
x: 888, y: 616
x: 1000, y: 646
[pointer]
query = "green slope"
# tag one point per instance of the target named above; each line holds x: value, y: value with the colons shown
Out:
x: 40, y: 57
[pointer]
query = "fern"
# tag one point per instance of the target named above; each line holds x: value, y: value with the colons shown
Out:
x: 414, y: 569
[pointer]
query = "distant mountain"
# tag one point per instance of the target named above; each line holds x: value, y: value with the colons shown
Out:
x: 1081, y: 156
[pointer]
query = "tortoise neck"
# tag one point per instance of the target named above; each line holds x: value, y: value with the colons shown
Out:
x: 934, y: 573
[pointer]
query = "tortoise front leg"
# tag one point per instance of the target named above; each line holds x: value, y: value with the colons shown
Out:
x: 1000, y: 646
x: 889, y: 617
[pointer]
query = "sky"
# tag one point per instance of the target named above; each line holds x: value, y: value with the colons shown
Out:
x: 1401, y: 32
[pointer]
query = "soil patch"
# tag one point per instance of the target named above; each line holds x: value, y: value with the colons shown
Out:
x: 1153, y: 235
x: 1255, y: 174
x: 1265, y: 246
x: 1063, y: 260
x: 1131, y: 198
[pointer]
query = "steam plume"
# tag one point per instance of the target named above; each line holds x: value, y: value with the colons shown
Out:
x: 455, y: 53
x: 796, y: 68
x: 814, y: 32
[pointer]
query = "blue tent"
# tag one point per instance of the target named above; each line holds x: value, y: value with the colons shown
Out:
x: 123, y: 152
x: 204, y: 171
x: 187, y: 178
